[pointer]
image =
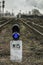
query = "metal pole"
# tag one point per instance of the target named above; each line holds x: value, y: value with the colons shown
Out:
x: 0, y: 8
x: 3, y: 6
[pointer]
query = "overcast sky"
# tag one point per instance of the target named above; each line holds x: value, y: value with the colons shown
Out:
x: 23, y: 5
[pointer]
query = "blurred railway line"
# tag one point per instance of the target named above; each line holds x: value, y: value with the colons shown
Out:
x: 5, y: 22
x: 38, y: 21
x: 35, y: 27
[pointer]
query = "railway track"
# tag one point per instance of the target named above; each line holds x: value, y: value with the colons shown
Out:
x: 34, y: 23
x: 36, y: 27
x: 38, y: 22
x: 28, y: 51
x: 29, y: 24
x: 5, y: 22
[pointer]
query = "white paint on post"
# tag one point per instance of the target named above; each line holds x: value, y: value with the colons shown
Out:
x: 16, y: 51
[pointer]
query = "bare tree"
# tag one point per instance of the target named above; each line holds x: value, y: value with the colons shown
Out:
x: 36, y: 12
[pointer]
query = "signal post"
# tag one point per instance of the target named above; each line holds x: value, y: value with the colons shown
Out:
x: 16, y: 45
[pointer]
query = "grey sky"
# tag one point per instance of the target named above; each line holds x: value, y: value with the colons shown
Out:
x: 24, y: 5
